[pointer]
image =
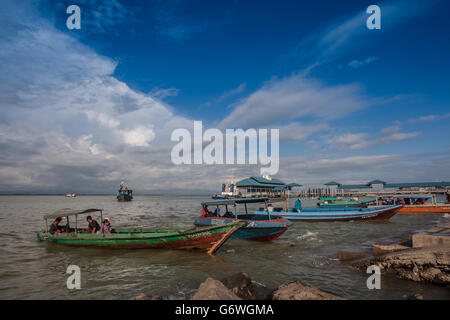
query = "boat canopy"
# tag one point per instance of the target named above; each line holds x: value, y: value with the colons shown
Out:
x: 329, y: 199
x: 234, y: 201
x: 67, y: 213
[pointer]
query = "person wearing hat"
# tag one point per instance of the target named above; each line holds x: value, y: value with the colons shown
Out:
x: 106, y: 226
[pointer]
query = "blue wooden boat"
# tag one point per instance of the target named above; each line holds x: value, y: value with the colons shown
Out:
x: 382, y: 213
x: 263, y: 227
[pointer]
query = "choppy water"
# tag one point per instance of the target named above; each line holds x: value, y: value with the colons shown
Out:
x: 306, y: 252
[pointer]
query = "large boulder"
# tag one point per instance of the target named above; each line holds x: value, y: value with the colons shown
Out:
x: 241, y: 285
x: 212, y: 289
x: 299, y: 291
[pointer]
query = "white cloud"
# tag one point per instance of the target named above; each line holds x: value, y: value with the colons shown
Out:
x: 355, y: 64
x: 358, y: 169
x: 103, y: 119
x: 139, y: 137
x: 349, y: 33
x: 355, y: 141
x: 294, y: 97
x: 296, y: 131
x: 430, y: 117
x: 162, y: 93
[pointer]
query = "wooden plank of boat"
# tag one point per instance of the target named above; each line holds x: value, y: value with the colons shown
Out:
x: 208, y: 239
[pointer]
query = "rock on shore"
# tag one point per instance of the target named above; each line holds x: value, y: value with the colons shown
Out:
x: 212, y: 289
x: 241, y: 285
x: 299, y: 291
x: 431, y: 264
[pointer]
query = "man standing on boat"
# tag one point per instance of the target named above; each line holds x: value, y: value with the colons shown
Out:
x: 298, y: 205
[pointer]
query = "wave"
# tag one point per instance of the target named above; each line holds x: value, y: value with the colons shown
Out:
x: 308, y: 235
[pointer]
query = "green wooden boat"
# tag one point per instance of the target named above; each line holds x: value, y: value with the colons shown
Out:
x: 208, y: 239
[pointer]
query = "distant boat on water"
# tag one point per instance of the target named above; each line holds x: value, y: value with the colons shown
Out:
x: 124, y: 194
x: 336, y: 202
x: 228, y: 192
x: 70, y: 195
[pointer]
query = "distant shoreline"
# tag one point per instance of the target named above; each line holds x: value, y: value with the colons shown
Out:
x: 105, y: 194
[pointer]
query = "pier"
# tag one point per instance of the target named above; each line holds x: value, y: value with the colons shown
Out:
x: 271, y: 187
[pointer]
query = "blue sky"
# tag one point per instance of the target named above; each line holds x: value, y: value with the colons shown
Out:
x: 88, y: 108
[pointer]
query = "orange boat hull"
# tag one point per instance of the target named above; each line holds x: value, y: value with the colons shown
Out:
x: 431, y: 209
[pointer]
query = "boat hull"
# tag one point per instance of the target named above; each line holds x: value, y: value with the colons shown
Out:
x: 339, y: 214
x: 124, y: 197
x: 203, y: 239
x: 425, y: 208
x: 258, y: 227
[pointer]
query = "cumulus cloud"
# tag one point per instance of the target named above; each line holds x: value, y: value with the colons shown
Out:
x: 75, y: 122
x: 139, y: 137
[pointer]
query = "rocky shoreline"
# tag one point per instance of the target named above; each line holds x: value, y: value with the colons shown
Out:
x: 241, y: 287
x: 425, y: 257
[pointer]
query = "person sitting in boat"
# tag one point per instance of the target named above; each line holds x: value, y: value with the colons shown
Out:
x: 298, y: 205
x: 228, y: 214
x: 93, y: 225
x: 270, y: 208
x: 206, y: 212
x: 106, y: 227
x: 109, y: 225
x: 54, y: 227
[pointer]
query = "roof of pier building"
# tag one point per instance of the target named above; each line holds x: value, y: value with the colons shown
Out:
x: 377, y: 181
x: 332, y: 183
x: 390, y: 185
x: 418, y: 184
x: 261, y: 182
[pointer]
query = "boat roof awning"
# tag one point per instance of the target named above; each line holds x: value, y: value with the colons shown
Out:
x: 67, y: 213
x: 234, y: 201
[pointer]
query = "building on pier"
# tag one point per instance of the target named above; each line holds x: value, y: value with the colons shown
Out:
x: 379, y: 187
x: 265, y: 186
